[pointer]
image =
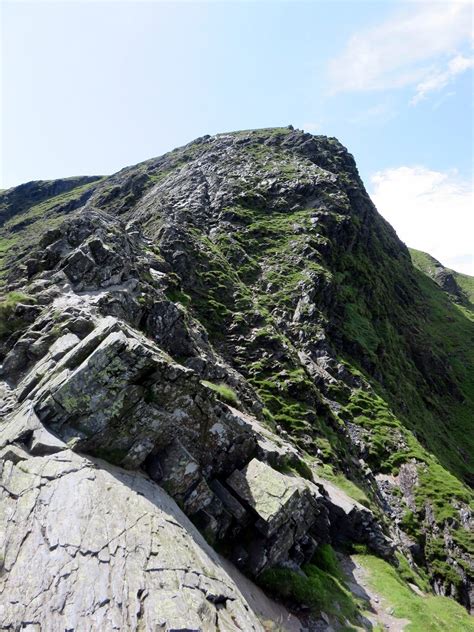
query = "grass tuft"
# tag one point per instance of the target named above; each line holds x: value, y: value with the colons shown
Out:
x: 224, y: 393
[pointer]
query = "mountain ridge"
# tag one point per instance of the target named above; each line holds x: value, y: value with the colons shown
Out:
x: 257, y: 262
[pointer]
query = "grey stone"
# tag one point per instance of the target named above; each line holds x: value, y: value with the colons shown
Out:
x: 44, y: 442
x: 90, y: 547
x: 230, y: 502
x: 285, y: 509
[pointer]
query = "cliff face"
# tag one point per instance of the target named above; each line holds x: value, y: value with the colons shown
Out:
x: 212, y: 342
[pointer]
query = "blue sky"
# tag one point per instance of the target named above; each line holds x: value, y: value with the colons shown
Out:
x: 90, y: 87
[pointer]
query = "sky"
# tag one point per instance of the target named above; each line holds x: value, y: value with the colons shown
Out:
x: 90, y: 87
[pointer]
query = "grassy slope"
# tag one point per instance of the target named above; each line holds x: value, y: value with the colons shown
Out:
x: 426, y: 614
x: 450, y: 328
x: 323, y: 588
x: 427, y: 264
x: 320, y: 588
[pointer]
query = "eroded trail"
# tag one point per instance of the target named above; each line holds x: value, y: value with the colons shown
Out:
x: 378, y: 611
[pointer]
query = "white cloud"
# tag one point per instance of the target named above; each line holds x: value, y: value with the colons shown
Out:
x: 430, y: 210
x: 441, y: 78
x: 404, y: 50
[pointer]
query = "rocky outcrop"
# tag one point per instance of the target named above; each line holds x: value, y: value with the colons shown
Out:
x: 352, y: 522
x: 116, y: 395
x: 217, y: 327
x: 285, y: 510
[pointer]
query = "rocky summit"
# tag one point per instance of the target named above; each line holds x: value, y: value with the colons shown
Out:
x: 231, y: 399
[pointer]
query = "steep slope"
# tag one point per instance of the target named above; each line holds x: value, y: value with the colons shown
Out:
x: 248, y: 269
x: 459, y: 286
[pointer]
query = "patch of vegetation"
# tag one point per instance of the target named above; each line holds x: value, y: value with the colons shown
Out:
x: 352, y: 489
x: 409, y: 574
x: 295, y: 466
x: 466, y: 283
x: 224, y: 392
x: 433, y: 613
x: 409, y: 340
x: 391, y: 444
x: 320, y: 587
x: 442, y: 490
x: 178, y: 296
x: 410, y: 523
x: 8, y: 322
x: 423, y: 261
x: 465, y: 539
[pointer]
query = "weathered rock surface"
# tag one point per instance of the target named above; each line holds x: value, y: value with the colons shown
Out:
x: 89, y: 546
x: 286, y: 510
x: 117, y: 394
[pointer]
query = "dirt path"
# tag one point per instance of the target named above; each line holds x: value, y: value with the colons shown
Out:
x: 377, y: 611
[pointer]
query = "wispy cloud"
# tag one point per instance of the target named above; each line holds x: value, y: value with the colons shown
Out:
x: 441, y: 78
x: 405, y: 50
x: 442, y: 99
x: 430, y: 210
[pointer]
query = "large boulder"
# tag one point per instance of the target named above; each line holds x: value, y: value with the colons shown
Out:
x: 284, y: 509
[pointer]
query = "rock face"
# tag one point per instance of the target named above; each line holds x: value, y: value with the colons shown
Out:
x: 189, y: 349
x: 118, y: 395
x: 286, y: 511
x: 93, y: 547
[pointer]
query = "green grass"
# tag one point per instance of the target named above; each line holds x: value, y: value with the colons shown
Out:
x: 466, y: 283
x: 320, y: 587
x: 177, y: 296
x: 8, y: 323
x: 428, y: 265
x: 423, y: 261
x: 389, y: 445
x: 450, y: 328
x: 352, y: 489
x: 426, y: 614
x: 408, y: 574
x: 6, y: 243
x: 224, y: 392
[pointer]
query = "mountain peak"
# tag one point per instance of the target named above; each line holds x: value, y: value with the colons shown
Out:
x: 226, y: 348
